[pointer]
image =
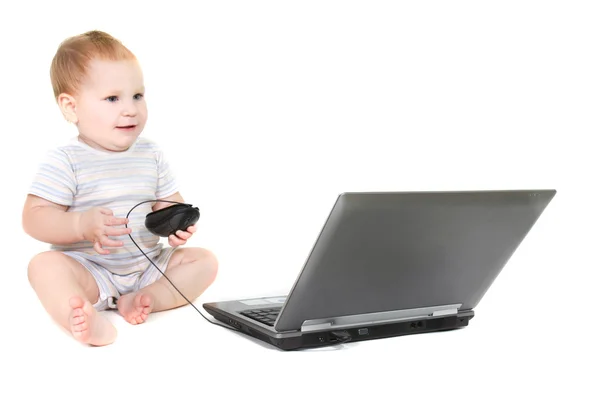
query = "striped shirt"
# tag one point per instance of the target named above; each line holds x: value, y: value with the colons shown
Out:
x: 81, y: 177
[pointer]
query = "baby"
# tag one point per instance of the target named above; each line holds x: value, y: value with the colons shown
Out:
x: 83, y: 190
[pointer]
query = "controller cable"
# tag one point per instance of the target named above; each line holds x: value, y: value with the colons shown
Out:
x: 341, y: 337
x: 182, y: 295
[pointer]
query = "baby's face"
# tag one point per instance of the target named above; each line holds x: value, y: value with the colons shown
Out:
x: 110, y: 107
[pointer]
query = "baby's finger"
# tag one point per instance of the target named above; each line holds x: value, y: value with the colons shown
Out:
x: 106, y: 242
x: 191, y: 229
x: 99, y: 249
x: 117, y: 231
x: 115, y: 221
x: 174, y: 241
x: 183, y: 235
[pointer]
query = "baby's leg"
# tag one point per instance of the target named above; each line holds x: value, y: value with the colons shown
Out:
x: 67, y: 290
x: 192, y: 270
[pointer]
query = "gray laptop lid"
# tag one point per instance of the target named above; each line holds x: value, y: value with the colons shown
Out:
x: 380, y: 252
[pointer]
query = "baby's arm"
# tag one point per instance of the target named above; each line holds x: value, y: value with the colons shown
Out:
x: 51, y: 223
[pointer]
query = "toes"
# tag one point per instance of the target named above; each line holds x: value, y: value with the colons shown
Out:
x: 77, y: 312
x: 76, y: 302
x: 88, y: 308
x: 79, y: 328
x: 78, y: 336
x: 142, y: 302
x: 137, y: 318
x: 136, y: 309
x: 145, y: 300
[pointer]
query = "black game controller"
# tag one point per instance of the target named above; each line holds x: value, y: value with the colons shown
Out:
x: 168, y: 220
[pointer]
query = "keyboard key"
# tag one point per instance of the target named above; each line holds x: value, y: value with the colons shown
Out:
x: 267, y: 316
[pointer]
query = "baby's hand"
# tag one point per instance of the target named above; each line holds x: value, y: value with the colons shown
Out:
x: 180, y: 238
x: 97, y: 224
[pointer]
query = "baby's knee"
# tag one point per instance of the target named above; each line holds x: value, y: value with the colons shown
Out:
x: 210, y: 262
x: 36, y: 264
x: 42, y: 263
x: 206, y: 261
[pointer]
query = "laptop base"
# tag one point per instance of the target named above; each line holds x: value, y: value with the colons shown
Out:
x: 316, y: 339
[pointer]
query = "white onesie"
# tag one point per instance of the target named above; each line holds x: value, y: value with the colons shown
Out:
x: 81, y: 177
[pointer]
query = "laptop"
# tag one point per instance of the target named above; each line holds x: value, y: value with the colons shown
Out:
x: 387, y: 264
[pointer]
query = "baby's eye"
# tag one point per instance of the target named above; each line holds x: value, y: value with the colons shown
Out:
x: 138, y: 96
x: 111, y: 98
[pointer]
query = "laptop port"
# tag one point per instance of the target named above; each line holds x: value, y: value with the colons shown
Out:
x: 415, y: 325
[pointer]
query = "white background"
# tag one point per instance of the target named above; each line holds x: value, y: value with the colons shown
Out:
x: 268, y: 110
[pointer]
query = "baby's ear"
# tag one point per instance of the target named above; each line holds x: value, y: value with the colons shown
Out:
x: 67, y: 106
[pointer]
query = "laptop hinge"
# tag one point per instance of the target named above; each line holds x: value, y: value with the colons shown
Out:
x: 349, y: 321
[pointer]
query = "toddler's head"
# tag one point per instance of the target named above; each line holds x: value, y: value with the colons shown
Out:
x: 99, y: 86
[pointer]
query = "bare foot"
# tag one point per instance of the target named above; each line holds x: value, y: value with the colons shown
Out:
x: 135, y: 307
x: 87, y: 326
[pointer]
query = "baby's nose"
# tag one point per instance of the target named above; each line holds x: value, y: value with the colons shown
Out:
x: 129, y: 109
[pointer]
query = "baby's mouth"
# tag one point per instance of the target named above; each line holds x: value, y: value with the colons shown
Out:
x: 126, y: 127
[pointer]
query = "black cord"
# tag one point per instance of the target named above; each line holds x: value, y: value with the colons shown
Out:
x: 182, y: 295
x: 342, y: 337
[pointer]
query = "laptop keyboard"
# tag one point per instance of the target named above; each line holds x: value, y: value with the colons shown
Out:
x: 265, y: 315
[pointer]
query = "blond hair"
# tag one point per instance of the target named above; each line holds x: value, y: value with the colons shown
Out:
x: 70, y: 63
